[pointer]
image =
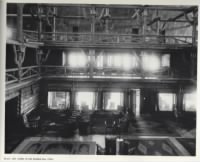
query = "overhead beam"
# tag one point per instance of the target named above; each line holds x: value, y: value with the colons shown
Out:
x: 121, y: 18
x: 191, y: 9
x: 159, y: 7
x: 20, y: 23
x: 154, y: 21
x: 30, y: 45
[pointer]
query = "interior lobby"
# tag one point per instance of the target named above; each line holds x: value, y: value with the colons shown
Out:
x: 96, y: 79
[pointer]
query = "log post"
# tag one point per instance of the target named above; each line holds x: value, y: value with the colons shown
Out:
x: 40, y: 23
x: 19, y: 52
x: 92, y: 62
x: 20, y: 36
x: 179, y: 106
x: 100, y: 99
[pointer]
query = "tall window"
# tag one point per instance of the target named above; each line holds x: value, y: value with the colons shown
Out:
x: 166, y: 101
x: 165, y: 60
x: 58, y: 100
x: 75, y: 58
x: 123, y: 61
x: 85, y: 100
x: 150, y: 62
x: 113, y: 100
x: 99, y: 61
x: 189, y: 102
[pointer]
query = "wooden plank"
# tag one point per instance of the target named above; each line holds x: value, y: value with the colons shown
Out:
x: 178, y: 147
x: 64, y: 45
x: 29, y: 44
x: 23, y: 84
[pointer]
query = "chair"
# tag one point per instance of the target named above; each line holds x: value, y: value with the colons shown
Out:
x: 110, y: 126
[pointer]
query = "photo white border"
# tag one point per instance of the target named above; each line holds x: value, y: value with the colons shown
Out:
x: 92, y: 158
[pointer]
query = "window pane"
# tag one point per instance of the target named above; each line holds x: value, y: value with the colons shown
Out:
x: 85, y: 100
x: 165, y: 60
x: 77, y: 58
x: 166, y: 101
x: 113, y: 100
x: 58, y: 100
x: 190, y: 102
x: 150, y: 62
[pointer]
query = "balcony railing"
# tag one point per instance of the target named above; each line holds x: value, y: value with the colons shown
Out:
x: 102, y: 38
x: 105, y: 38
x: 106, y: 72
x: 16, y: 75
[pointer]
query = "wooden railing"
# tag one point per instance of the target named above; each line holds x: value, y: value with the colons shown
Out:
x: 63, y: 71
x: 101, y: 38
x: 104, y: 38
x: 31, y: 35
x: 16, y: 75
x: 106, y: 72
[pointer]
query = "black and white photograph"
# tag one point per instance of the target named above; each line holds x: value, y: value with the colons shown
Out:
x: 101, y: 79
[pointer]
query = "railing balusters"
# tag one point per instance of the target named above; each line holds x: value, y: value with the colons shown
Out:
x: 99, y: 38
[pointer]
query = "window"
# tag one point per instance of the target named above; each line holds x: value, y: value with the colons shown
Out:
x: 58, y: 100
x: 166, y: 101
x: 189, y: 102
x: 165, y: 60
x: 75, y: 58
x: 99, y: 61
x: 113, y: 100
x: 122, y: 61
x: 85, y: 100
x: 150, y: 62
x: 127, y: 62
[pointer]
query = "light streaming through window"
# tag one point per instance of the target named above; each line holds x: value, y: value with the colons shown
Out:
x: 85, y: 100
x: 190, y: 101
x: 113, y: 100
x: 58, y: 100
x: 150, y: 62
x: 77, y: 58
x: 166, y: 101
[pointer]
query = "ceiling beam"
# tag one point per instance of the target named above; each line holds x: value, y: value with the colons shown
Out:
x: 151, y: 7
x: 87, y: 18
x: 188, y: 10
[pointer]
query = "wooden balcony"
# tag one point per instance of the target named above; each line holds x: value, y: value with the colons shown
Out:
x: 16, y: 75
x: 65, y: 72
x: 105, y: 40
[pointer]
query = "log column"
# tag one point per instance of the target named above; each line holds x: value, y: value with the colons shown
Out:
x: 19, y: 50
x: 72, y: 98
x: 41, y: 57
x: 144, y: 23
x: 92, y: 62
x: 194, y: 28
x: 40, y: 23
x: 54, y: 22
x: 126, y: 100
x: 19, y: 57
x: 179, y: 107
x: 193, y: 56
x: 20, y: 35
x: 100, y: 99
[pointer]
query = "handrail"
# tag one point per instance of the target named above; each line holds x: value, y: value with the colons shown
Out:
x: 28, y: 67
x: 115, y: 34
x: 12, y: 75
x: 99, y: 38
x: 15, y: 75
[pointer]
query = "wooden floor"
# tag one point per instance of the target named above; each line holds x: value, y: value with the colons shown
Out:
x: 144, y: 127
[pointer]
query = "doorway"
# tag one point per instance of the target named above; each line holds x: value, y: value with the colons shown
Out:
x: 135, y: 101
